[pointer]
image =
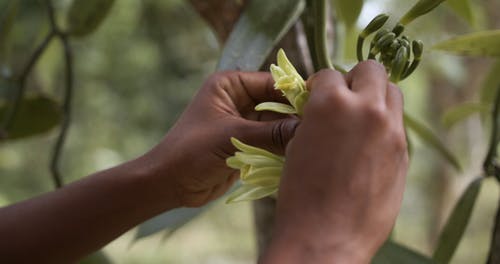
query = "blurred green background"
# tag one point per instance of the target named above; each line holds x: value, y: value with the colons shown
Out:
x: 135, y: 75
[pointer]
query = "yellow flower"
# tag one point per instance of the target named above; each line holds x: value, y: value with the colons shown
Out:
x: 288, y: 81
x: 260, y: 170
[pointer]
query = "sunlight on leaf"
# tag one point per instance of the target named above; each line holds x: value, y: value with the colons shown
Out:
x: 461, y: 112
x: 463, y: 8
x: 348, y: 11
x: 483, y: 43
x: 260, y: 27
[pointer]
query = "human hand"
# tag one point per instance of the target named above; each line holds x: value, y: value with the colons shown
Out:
x: 192, y: 155
x: 345, y: 170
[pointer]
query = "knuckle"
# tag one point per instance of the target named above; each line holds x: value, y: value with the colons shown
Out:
x: 372, y: 65
x: 219, y: 78
x: 376, y: 113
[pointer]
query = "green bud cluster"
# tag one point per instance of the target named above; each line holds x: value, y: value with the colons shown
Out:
x: 399, y: 55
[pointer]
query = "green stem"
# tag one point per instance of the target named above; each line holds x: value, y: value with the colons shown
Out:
x: 489, y: 165
x: 359, y: 48
x: 320, y: 39
x: 308, y: 23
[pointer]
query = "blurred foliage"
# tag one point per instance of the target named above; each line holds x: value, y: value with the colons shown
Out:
x: 136, y: 73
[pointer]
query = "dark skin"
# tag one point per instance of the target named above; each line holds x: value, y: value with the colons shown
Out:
x: 187, y: 169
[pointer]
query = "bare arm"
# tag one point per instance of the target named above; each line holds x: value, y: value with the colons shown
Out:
x: 186, y: 169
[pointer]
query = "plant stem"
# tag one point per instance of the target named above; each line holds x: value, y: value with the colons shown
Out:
x: 494, y: 254
x: 489, y: 165
x: 320, y: 39
x: 54, y: 164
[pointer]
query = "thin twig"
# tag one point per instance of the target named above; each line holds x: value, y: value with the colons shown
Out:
x: 54, y: 164
x: 19, y: 92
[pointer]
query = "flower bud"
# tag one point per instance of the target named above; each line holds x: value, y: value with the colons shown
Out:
x: 374, y: 25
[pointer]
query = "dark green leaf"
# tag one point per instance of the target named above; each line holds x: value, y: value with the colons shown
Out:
x: 462, y: 8
x: 348, y: 10
x: 96, y: 258
x: 37, y: 114
x: 483, y: 43
x: 457, y: 222
x: 490, y: 84
x: 463, y: 111
x: 259, y: 28
x: 85, y: 16
x: 430, y: 139
x: 394, y: 253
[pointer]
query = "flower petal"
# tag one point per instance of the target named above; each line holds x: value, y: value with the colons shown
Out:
x: 250, y: 192
x: 276, y: 107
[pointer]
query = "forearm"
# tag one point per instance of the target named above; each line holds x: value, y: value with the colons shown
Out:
x: 64, y: 225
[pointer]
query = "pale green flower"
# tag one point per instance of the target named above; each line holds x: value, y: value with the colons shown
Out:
x: 260, y: 170
x: 288, y: 81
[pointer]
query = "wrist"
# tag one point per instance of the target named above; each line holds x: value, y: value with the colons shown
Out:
x: 151, y: 176
x: 292, y: 249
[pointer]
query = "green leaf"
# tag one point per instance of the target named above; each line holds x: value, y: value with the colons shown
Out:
x: 490, y: 84
x: 430, y: 139
x: 394, y: 253
x: 348, y: 10
x: 463, y: 8
x: 457, y: 222
x: 259, y: 28
x: 173, y: 220
x: 483, y: 43
x: 85, y: 16
x: 420, y: 8
x: 276, y: 107
x: 37, y: 114
x: 250, y: 192
x: 97, y: 257
x: 6, y: 22
x: 463, y: 111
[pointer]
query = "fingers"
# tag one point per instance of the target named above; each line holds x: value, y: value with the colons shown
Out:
x: 272, y: 136
x: 327, y: 80
x: 369, y: 79
x: 259, y: 86
x: 394, y: 101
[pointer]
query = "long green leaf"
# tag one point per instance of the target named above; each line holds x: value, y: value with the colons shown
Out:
x: 348, y: 10
x: 430, y: 139
x: 394, y: 253
x: 483, y: 43
x: 463, y: 111
x: 463, y: 8
x: 490, y: 84
x: 37, y: 114
x: 420, y: 8
x: 85, y: 16
x: 259, y: 28
x: 457, y: 222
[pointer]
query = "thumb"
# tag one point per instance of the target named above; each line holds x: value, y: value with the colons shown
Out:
x: 271, y: 135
